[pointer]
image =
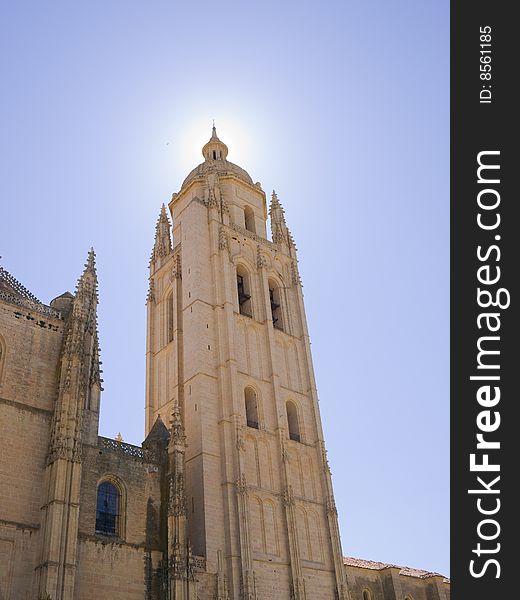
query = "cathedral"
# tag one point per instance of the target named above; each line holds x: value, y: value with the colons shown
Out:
x: 230, y: 495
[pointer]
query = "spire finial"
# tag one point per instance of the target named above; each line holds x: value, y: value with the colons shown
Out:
x: 86, y: 288
x: 91, y: 260
x: 163, y: 241
x: 214, y: 149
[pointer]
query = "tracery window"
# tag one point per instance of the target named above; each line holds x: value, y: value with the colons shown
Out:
x: 108, y: 509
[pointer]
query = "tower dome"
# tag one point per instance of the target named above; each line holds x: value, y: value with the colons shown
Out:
x: 215, y: 159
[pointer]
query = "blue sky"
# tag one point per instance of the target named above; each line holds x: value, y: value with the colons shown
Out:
x: 343, y: 108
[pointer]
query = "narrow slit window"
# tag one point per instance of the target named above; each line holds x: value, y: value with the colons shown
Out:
x: 249, y: 219
x: 169, y: 318
x: 292, y: 422
x: 244, y: 296
x: 251, y: 408
x: 276, y: 309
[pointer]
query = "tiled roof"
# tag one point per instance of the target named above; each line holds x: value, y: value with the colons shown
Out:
x: 350, y: 561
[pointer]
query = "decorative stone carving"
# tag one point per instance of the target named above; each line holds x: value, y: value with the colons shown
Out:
x: 163, y: 242
x: 177, y: 432
x: 241, y: 485
x: 331, y: 506
x: 212, y: 192
x: 16, y: 293
x: 261, y: 260
x: 223, y: 241
x: 288, y: 496
x: 176, y: 272
x: 295, y: 276
x: 279, y: 230
x: 324, y: 457
x: 285, y: 453
x: 177, y: 505
x: 240, y: 439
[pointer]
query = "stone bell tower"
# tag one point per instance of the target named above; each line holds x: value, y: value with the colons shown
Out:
x: 228, y: 354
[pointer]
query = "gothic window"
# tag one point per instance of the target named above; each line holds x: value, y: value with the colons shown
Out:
x: 275, y: 302
x: 243, y: 291
x: 292, y: 421
x: 251, y: 408
x: 249, y: 219
x: 169, y: 317
x: 108, y: 509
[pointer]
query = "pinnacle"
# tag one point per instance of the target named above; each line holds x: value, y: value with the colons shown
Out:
x: 274, y: 200
x: 89, y: 273
x: 163, y: 244
x: 276, y: 206
x: 90, y: 265
x: 176, y: 414
x: 163, y: 217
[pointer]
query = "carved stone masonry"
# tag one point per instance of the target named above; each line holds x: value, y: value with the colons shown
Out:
x: 261, y: 260
x: 248, y: 586
x: 324, y: 458
x: 212, y: 192
x: 223, y: 241
x: 240, y: 439
x: 241, y: 485
x: 177, y: 506
x: 177, y: 268
x: 295, y: 276
x: 331, y: 506
x: 288, y: 496
x: 285, y: 452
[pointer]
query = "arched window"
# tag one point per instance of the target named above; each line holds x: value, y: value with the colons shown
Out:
x: 108, y: 509
x: 243, y: 291
x: 276, y: 308
x: 367, y: 595
x: 249, y: 219
x: 292, y: 422
x: 169, y: 318
x: 251, y: 408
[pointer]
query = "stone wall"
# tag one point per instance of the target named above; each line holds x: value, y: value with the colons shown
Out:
x: 31, y: 344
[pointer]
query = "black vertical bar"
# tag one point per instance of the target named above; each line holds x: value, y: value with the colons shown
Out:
x: 483, y: 120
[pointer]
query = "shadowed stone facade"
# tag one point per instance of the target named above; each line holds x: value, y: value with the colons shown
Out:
x: 230, y: 495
